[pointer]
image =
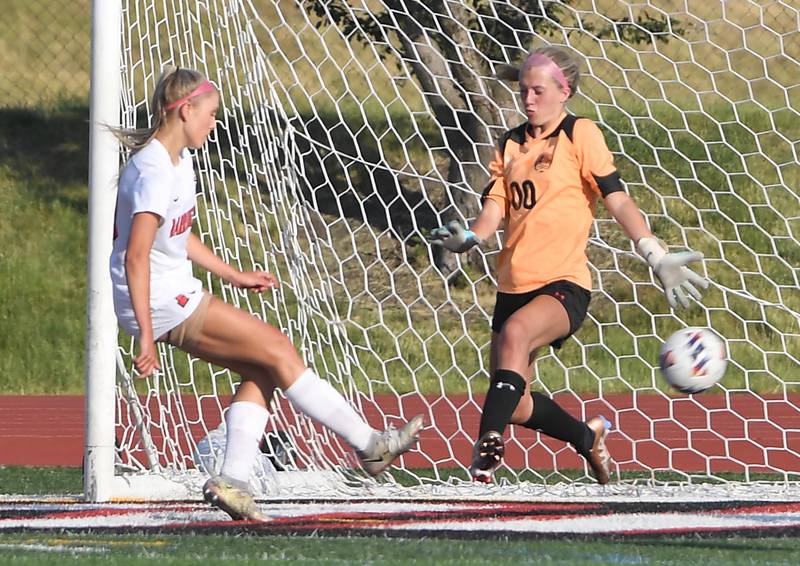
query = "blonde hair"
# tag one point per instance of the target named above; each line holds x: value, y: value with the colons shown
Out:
x: 173, y: 84
x: 565, y: 59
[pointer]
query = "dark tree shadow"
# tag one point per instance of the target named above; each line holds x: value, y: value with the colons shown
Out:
x: 49, y: 146
x: 341, y: 175
x: 361, y: 186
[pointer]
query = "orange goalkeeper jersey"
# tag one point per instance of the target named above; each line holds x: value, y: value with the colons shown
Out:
x: 547, y: 188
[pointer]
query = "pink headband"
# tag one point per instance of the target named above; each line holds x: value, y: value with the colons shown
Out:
x: 204, y: 87
x: 542, y: 60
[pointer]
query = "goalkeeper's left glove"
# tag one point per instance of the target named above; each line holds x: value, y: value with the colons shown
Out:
x: 671, y: 270
x: 454, y: 237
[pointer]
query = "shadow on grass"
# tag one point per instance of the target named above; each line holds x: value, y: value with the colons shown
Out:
x: 346, y: 167
x: 49, y: 146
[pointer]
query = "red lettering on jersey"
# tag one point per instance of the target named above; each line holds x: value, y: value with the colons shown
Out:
x: 182, y: 223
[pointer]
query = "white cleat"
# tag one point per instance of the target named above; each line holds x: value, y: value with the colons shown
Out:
x: 388, y: 445
x: 234, y: 498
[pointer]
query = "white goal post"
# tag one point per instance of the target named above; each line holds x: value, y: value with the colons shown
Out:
x: 348, y: 129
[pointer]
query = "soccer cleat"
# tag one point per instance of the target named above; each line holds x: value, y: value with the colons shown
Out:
x: 388, y: 445
x: 598, y: 457
x: 233, y: 497
x: 486, y: 456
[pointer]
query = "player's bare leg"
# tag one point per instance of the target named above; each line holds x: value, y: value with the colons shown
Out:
x: 266, y: 358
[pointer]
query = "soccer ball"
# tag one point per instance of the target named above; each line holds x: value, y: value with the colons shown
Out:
x: 692, y: 360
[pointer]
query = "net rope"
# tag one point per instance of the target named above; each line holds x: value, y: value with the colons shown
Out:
x: 347, y: 130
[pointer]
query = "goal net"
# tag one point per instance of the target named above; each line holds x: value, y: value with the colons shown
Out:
x: 347, y: 130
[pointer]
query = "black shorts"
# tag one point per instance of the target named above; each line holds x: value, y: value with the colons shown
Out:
x: 574, y: 298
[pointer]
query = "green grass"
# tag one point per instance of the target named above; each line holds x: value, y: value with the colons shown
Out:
x: 406, y: 329
x: 429, y: 345
x: 43, y: 172
x: 25, y: 480
x: 44, y: 52
x: 142, y: 548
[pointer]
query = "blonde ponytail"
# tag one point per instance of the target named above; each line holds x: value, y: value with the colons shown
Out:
x: 173, y: 84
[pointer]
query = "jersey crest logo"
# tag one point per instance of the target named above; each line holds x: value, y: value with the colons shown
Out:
x: 545, y: 158
x: 543, y: 162
x: 182, y: 300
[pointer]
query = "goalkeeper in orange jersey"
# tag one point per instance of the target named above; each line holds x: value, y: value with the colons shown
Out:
x: 546, y: 177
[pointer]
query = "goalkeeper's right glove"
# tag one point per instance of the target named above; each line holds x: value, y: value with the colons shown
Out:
x: 454, y: 237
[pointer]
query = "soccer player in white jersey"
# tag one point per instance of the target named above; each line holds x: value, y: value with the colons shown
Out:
x: 157, y: 298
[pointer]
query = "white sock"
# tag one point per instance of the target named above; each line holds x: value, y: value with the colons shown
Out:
x: 320, y: 401
x: 244, y: 427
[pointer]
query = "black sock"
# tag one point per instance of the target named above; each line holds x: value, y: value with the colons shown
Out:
x: 505, y: 391
x: 554, y: 421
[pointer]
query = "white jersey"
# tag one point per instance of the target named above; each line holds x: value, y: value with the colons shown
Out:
x: 150, y: 182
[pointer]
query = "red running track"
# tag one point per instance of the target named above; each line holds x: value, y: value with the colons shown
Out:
x: 714, y: 433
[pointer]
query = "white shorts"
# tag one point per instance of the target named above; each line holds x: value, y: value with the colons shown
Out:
x: 164, y: 316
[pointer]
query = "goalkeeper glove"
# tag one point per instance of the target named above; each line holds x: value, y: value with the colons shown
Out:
x: 454, y: 237
x: 671, y: 270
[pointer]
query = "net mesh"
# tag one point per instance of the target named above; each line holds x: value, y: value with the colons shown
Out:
x: 348, y: 129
